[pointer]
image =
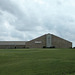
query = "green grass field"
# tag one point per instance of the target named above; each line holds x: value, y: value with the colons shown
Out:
x: 37, y: 62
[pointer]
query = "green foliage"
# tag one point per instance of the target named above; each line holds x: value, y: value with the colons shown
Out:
x: 37, y: 62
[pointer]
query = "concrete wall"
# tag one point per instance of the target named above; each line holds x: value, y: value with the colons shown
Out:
x: 60, y: 43
x: 39, y: 42
x: 12, y: 44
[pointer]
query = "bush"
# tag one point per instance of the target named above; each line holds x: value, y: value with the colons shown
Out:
x: 52, y: 47
x: 49, y: 47
x: 44, y: 46
x: 73, y: 47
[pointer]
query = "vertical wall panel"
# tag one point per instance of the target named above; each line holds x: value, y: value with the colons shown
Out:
x: 48, y: 40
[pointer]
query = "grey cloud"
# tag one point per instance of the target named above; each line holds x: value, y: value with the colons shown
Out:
x: 35, y: 19
x: 0, y: 13
x: 7, y: 5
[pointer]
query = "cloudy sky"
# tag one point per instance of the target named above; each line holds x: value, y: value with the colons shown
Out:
x: 26, y: 19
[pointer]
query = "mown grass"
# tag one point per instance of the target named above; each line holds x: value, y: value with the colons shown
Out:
x: 37, y: 62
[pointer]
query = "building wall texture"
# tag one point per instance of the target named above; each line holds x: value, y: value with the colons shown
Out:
x: 60, y: 43
x: 37, y: 43
x: 55, y: 41
x: 12, y: 44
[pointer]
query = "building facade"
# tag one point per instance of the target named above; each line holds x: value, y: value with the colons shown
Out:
x: 49, y: 41
x: 45, y: 41
x: 12, y: 44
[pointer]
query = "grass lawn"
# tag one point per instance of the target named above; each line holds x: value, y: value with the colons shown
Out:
x: 37, y: 61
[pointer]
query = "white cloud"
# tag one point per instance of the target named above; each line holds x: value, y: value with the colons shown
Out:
x: 40, y: 1
x: 26, y: 19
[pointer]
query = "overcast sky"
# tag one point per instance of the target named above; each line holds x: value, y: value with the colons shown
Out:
x: 26, y: 19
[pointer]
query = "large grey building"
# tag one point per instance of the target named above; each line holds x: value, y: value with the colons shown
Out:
x: 45, y: 41
x: 49, y: 41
